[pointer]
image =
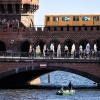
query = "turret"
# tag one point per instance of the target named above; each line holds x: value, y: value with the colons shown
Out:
x: 21, y: 11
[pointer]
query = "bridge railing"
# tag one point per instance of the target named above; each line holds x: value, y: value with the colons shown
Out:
x: 49, y: 55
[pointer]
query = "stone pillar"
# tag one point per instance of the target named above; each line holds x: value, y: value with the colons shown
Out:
x: 77, y: 50
x: 21, y: 8
x: 13, y: 7
x: 77, y: 47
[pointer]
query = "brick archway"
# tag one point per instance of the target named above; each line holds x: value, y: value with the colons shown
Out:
x: 69, y: 44
x: 2, y: 46
x: 83, y: 42
x: 41, y: 43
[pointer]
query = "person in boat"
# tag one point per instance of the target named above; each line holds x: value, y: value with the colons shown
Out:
x: 62, y: 89
x: 70, y: 85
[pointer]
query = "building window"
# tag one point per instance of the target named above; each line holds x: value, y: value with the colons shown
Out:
x: 2, y: 8
x: 85, y: 18
x: 48, y: 18
x: 65, y: 18
x: 76, y: 18
x: 56, y: 19
x: 17, y: 6
x: 96, y: 18
x: 9, y: 8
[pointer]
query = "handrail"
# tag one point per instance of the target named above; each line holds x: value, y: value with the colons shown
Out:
x: 49, y: 55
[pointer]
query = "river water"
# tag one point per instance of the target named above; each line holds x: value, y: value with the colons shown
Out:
x: 56, y: 78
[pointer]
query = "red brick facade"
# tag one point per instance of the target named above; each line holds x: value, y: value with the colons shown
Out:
x: 36, y: 37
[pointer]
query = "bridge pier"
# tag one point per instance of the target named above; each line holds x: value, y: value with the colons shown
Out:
x: 48, y: 78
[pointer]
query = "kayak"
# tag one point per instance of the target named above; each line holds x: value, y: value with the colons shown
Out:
x: 69, y: 92
x: 65, y: 92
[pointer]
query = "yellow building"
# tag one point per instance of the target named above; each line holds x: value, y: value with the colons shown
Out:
x: 72, y: 20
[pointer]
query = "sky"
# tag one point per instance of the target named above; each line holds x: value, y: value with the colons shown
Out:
x: 49, y: 7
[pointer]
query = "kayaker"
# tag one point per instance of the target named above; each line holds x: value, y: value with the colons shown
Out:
x: 70, y: 85
x: 62, y: 89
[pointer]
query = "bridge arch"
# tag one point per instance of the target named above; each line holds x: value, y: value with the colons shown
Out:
x: 55, y: 42
x: 41, y: 43
x: 24, y: 46
x: 97, y: 42
x: 26, y: 74
x: 77, y: 72
x: 20, y: 76
x: 83, y: 42
x: 69, y: 44
x: 2, y: 46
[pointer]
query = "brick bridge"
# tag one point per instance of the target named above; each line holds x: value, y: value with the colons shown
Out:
x: 22, y: 71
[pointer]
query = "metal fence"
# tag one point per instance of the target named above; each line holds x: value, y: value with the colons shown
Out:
x: 49, y: 55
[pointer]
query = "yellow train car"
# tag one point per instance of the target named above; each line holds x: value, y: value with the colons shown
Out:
x: 72, y: 20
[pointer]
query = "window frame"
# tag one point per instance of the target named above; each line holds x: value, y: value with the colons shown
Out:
x: 54, y: 18
x: 75, y: 18
x: 97, y: 18
x: 47, y: 19
x: 85, y: 19
x: 66, y: 17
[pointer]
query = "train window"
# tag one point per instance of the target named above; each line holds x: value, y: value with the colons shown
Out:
x: 56, y: 19
x: 65, y: 18
x: 85, y: 18
x: 96, y: 18
x: 76, y: 18
x: 48, y: 19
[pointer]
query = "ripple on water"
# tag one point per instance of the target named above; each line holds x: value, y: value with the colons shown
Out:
x: 44, y: 94
x: 56, y: 78
x: 61, y: 77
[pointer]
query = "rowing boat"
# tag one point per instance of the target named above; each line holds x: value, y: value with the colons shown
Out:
x: 65, y: 92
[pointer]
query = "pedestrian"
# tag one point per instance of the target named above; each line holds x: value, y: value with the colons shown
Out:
x: 30, y: 52
x: 34, y: 53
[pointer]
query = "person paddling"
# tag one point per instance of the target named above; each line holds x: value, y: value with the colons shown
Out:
x: 62, y: 89
x: 70, y: 85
